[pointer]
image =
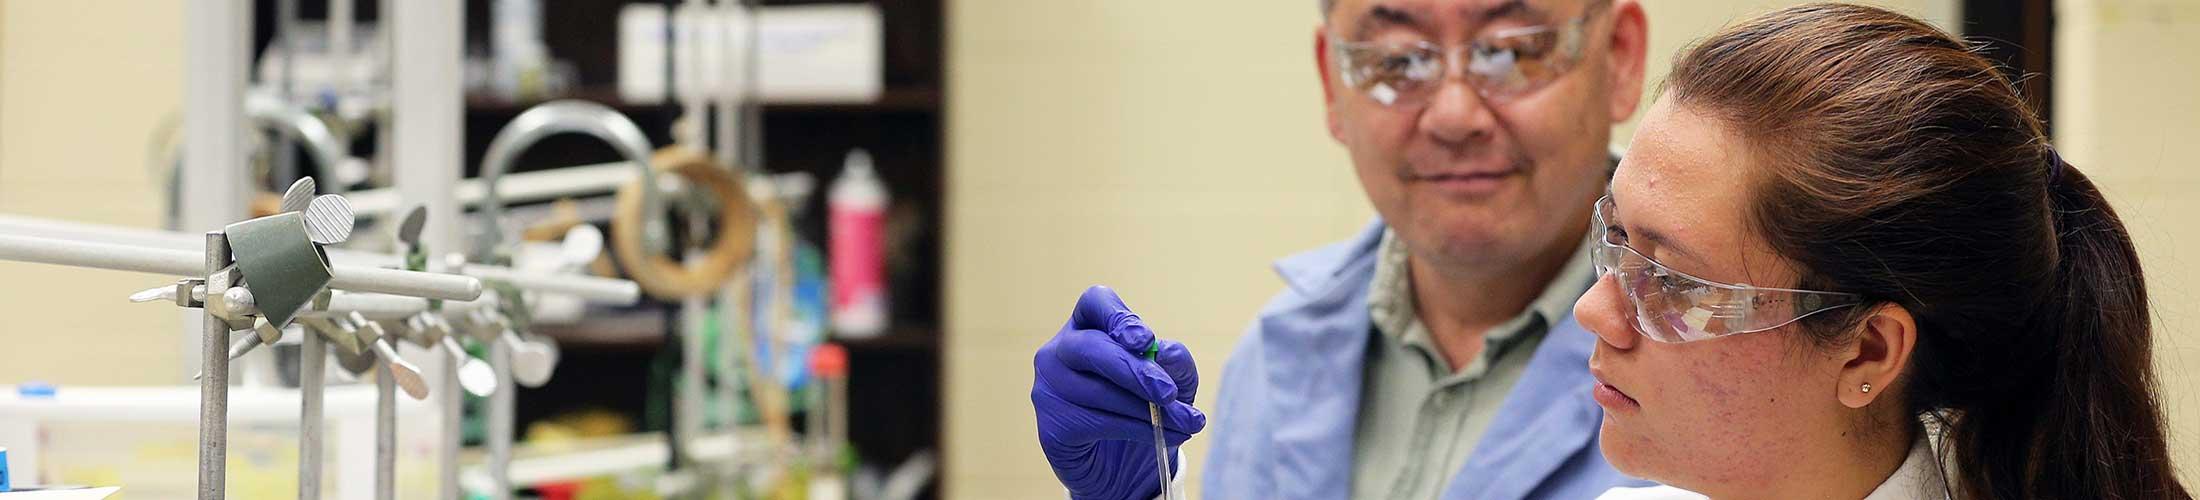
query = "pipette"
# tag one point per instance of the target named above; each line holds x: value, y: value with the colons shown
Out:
x: 1160, y: 444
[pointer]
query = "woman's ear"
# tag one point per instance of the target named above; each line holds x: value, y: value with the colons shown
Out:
x: 1879, y: 354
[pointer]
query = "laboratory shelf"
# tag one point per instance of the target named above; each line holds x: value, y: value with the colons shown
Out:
x: 584, y: 458
x: 607, y: 360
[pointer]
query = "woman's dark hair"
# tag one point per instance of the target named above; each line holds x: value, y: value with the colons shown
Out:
x: 1905, y: 167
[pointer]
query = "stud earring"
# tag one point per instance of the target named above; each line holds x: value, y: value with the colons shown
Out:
x: 1867, y: 387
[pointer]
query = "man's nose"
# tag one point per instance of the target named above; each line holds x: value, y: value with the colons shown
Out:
x: 1457, y: 113
x: 1599, y: 311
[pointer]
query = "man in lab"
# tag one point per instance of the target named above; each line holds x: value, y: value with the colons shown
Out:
x: 1435, y: 353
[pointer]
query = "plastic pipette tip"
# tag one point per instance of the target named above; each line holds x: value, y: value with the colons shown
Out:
x: 1153, y: 411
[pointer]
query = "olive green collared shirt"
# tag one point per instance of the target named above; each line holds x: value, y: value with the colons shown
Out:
x: 1419, y: 416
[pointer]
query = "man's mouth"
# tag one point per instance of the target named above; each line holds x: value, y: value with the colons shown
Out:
x: 1464, y: 178
x: 1469, y: 184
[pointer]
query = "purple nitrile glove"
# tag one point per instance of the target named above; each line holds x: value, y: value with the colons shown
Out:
x: 1090, y: 390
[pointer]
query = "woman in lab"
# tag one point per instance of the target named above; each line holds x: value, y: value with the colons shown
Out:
x: 1841, y: 260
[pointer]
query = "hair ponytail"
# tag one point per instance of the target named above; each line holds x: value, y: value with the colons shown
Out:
x: 2099, y: 432
x: 2087, y: 425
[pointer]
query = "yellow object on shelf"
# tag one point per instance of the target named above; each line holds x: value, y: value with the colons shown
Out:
x: 660, y: 276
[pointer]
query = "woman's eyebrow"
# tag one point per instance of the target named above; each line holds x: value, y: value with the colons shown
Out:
x: 1650, y: 234
x: 1664, y: 242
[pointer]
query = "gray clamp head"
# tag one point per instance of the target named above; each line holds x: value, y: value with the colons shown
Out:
x: 280, y: 257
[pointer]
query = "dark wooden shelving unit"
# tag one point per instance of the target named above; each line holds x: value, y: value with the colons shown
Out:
x: 895, y: 378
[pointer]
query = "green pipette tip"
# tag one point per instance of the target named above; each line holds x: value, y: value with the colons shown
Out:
x: 1153, y: 349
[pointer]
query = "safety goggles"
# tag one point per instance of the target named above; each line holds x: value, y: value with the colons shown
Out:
x: 1671, y: 306
x: 1499, y: 66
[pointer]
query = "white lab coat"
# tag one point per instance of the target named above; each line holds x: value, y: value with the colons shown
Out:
x: 1919, y: 478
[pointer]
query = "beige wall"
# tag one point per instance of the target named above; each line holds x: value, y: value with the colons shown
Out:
x: 1676, y: 23
x: 83, y: 85
x: 2126, y: 114
x: 1172, y: 149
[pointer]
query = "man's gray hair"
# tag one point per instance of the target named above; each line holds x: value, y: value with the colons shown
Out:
x: 1325, y: 5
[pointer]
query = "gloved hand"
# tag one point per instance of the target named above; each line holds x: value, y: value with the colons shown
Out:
x: 1090, y: 391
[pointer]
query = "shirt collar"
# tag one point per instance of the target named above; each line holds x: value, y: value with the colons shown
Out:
x: 1920, y: 476
x: 1392, y: 309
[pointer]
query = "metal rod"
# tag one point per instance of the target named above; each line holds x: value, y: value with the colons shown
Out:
x: 589, y: 288
x: 836, y: 422
x: 815, y: 418
x: 500, y: 422
x: 286, y: 31
x: 370, y: 305
x: 312, y: 362
x: 102, y: 256
x: 453, y: 400
x: 1160, y: 450
x: 688, y: 401
x: 567, y: 182
x: 181, y: 263
x: 688, y: 396
x: 374, y: 306
x: 339, y: 44
x: 751, y: 143
x: 409, y: 283
x: 556, y: 117
x: 733, y: 302
x: 385, y: 432
x: 217, y: 52
x: 294, y: 123
x: 214, y: 387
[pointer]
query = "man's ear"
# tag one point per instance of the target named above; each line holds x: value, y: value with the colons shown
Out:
x: 1626, y: 48
x: 1328, y: 75
x: 1877, y: 357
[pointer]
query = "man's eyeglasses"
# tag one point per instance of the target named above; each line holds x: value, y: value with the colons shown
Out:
x: 1500, y: 66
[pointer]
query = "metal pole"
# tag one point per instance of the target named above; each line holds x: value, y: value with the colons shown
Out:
x: 407, y: 283
x: 217, y: 42
x: 181, y: 263
x: 750, y: 99
x: 312, y: 359
x: 732, y: 305
x: 453, y: 400
x: 214, y: 387
x: 286, y: 31
x: 385, y: 432
x: 427, y: 107
x: 339, y: 44
x: 500, y: 422
x: 589, y: 288
x: 688, y: 397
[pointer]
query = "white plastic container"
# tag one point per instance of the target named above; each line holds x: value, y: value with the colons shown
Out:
x: 145, y: 439
x: 857, y: 220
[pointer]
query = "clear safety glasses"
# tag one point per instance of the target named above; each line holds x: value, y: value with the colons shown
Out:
x: 1499, y: 66
x: 1671, y: 306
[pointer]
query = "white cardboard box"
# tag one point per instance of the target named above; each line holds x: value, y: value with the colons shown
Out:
x: 805, y: 53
